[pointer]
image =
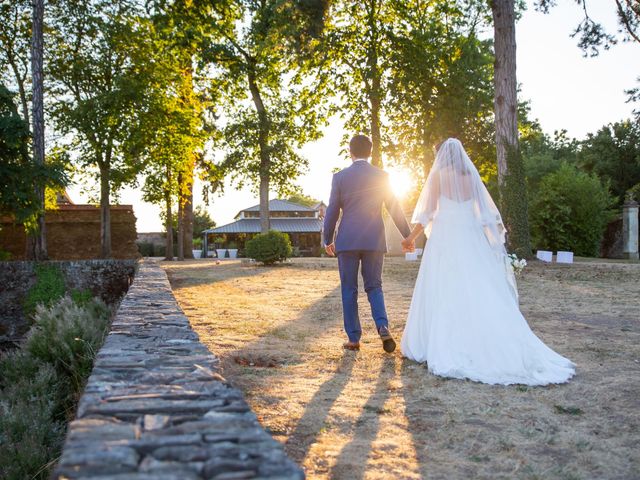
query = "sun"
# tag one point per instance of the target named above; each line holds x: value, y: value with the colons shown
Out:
x: 401, y: 181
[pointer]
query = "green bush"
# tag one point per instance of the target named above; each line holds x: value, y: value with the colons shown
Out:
x: 49, y: 287
x: 41, y: 382
x: 270, y: 247
x: 570, y: 211
x: 67, y: 336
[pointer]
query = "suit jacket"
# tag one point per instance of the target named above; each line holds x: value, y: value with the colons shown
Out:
x: 360, y: 191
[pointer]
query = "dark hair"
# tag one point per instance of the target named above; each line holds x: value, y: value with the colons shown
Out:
x: 360, y: 146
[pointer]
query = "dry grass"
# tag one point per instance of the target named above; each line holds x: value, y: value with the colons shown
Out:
x: 370, y: 415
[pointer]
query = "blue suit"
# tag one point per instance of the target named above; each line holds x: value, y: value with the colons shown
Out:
x: 359, y: 192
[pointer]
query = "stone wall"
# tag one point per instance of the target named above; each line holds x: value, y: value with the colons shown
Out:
x: 108, y: 279
x: 73, y: 233
x: 156, y: 406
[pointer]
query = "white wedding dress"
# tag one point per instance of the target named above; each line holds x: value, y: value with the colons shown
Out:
x: 464, y: 320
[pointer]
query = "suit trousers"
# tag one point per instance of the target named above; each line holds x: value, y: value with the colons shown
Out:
x: 349, y: 263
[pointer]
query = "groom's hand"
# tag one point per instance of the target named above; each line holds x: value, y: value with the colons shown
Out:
x: 331, y: 250
x: 408, y: 245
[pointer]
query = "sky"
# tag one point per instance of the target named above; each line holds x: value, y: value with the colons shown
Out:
x: 565, y: 90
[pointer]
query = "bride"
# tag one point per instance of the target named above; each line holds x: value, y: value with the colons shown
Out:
x: 464, y: 319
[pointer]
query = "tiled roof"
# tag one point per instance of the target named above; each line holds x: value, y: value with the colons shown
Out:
x: 287, y: 225
x: 278, y: 205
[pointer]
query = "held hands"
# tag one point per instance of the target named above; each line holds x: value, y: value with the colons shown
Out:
x: 330, y: 249
x: 408, y: 245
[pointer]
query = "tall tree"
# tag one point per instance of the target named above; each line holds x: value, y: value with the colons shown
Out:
x: 275, y: 103
x: 15, y: 43
x: 357, y: 37
x: 175, y: 125
x: 440, y: 82
x: 37, y: 66
x: 98, y: 87
x: 18, y: 173
x: 513, y: 196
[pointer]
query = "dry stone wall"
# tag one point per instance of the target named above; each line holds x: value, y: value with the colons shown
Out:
x: 156, y: 406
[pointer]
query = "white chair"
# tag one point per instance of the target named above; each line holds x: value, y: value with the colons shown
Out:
x: 545, y: 256
x: 411, y: 256
x: 564, y: 257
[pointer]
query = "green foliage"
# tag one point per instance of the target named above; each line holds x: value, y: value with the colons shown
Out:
x: 634, y: 193
x: 18, y: 174
x: 67, y: 336
x: 270, y: 247
x: 275, y: 93
x: 4, y: 255
x: 302, y: 199
x: 570, y: 211
x: 31, y: 434
x: 201, y: 221
x: 514, y: 205
x: 41, y: 382
x: 82, y: 298
x: 48, y: 288
x: 613, y: 153
x: 440, y: 83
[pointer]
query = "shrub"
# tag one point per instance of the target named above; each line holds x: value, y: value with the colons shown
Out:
x: 41, y: 381
x: 49, y: 287
x: 146, y: 249
x: 570, y: 211
x: 269, y: 247
x: 31, y: 433
x: 67, y: 336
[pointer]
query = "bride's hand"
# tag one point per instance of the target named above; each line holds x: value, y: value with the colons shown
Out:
x: 408, y: 245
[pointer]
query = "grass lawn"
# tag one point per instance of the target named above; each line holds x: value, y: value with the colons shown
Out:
x: 346, y: 415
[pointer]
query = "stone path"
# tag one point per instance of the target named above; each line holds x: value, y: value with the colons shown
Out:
x: 156, y: 407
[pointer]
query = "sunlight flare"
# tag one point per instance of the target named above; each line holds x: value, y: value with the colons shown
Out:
x: 401, y: 181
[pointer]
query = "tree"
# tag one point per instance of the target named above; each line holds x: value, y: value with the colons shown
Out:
x: 440, y: 83
x: 274, y: 96
x: 15, y: 56
x: 18, y: 173
x: 357, y: 38
x: 613, y: 153
x: 513, y: 196
x: 592, y: 35
x: 98, y: 87
x: 571, y: 211
x: 202, y: 221
x: 302, y: 199
x: 174, y: 125
x: 37, y: 65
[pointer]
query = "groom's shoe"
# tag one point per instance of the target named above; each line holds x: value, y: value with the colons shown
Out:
x: 351, y: 345
x: 388, y: 343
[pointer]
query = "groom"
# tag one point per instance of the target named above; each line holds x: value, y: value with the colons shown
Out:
x: 359, y: 191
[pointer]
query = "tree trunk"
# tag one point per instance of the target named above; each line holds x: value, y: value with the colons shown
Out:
x: 188, y: 221
x: 40, y: 251
x: 513, y: 195
x: 505, y: 100
x: 263, y: 145
x: 375, y: 93
x: 105, y: 211
x: 180, y: 218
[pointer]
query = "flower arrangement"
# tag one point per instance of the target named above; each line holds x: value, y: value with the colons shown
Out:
x: 518, y: 264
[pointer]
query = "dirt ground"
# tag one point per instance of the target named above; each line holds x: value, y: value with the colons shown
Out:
x: 346, y: 415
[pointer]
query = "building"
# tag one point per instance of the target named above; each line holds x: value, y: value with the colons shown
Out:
x: 302, y: 224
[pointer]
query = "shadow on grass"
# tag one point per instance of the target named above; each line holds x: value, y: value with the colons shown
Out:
x: 310, y: 425
x: 366, y: 427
